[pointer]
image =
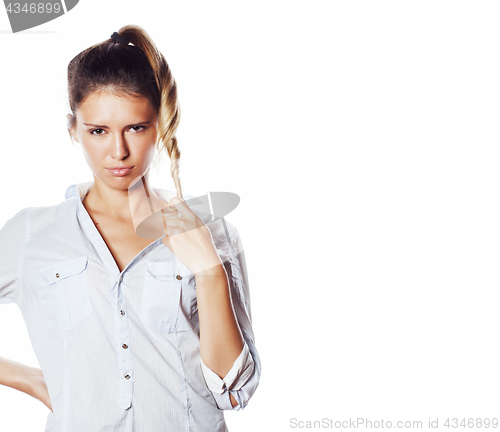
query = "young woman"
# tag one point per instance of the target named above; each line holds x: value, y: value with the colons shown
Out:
x: 137, y: 305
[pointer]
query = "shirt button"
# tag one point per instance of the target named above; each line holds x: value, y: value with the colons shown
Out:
x: 127, y: 376
x: 124, y: 346
x: 122, y: 312
x: 178, y: 277
x: 120, y: 279
x: 57, y: 275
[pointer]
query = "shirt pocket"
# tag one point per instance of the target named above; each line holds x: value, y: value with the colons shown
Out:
x: 63, y: 290
x: 165, y: 286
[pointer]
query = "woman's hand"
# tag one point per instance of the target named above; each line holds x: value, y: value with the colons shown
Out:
x: 189, y: 238
x: 36, y: 386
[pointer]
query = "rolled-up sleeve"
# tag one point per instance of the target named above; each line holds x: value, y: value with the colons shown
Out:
x: 238, y: 375
x: 13, y: 237
x: 243, y: 379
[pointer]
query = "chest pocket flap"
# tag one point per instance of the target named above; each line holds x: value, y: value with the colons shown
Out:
x: 63, y: 269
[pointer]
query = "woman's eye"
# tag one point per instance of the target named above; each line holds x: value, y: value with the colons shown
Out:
x: 135, y: 128
x: 95, y: 130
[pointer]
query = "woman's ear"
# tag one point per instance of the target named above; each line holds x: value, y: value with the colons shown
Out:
x: 71, y: 124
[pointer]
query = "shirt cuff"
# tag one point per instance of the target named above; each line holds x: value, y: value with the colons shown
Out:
x: 239, y: 374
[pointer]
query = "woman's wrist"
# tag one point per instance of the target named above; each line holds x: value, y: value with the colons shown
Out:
x: 213, y: 273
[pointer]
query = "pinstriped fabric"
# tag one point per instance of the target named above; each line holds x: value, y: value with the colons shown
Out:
x: 119, y: 350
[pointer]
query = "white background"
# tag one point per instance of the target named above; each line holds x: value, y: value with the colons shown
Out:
x: 363, y: 140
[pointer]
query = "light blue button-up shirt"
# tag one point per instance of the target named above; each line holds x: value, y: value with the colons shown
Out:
x: 119, y: 350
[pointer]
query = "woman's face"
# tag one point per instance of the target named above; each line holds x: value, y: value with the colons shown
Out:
x: 116, y: 132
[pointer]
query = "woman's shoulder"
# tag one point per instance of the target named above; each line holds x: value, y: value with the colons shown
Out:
x: 54, y: 211
x: 16, y: 223
x: 42, y: 217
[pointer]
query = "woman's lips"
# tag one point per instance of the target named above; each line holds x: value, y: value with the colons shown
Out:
x: 119, y: 172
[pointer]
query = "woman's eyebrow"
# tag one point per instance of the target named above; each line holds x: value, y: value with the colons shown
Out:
x: 103, y: 126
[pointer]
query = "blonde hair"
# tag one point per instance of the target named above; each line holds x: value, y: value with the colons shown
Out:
x: 139, y: 69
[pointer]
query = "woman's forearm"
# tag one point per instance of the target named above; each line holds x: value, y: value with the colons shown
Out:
x: 13, y: 374
x: 220, y: 338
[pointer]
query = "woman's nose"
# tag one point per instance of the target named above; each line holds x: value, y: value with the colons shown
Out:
x: 120, y: 148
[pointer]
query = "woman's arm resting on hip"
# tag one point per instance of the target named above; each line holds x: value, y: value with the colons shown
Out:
x: 24, y: 378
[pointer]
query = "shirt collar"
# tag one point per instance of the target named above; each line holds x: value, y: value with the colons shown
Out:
x: 78, y: 190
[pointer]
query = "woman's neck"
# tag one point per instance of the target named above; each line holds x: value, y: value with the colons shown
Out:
x: 136, y: 203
